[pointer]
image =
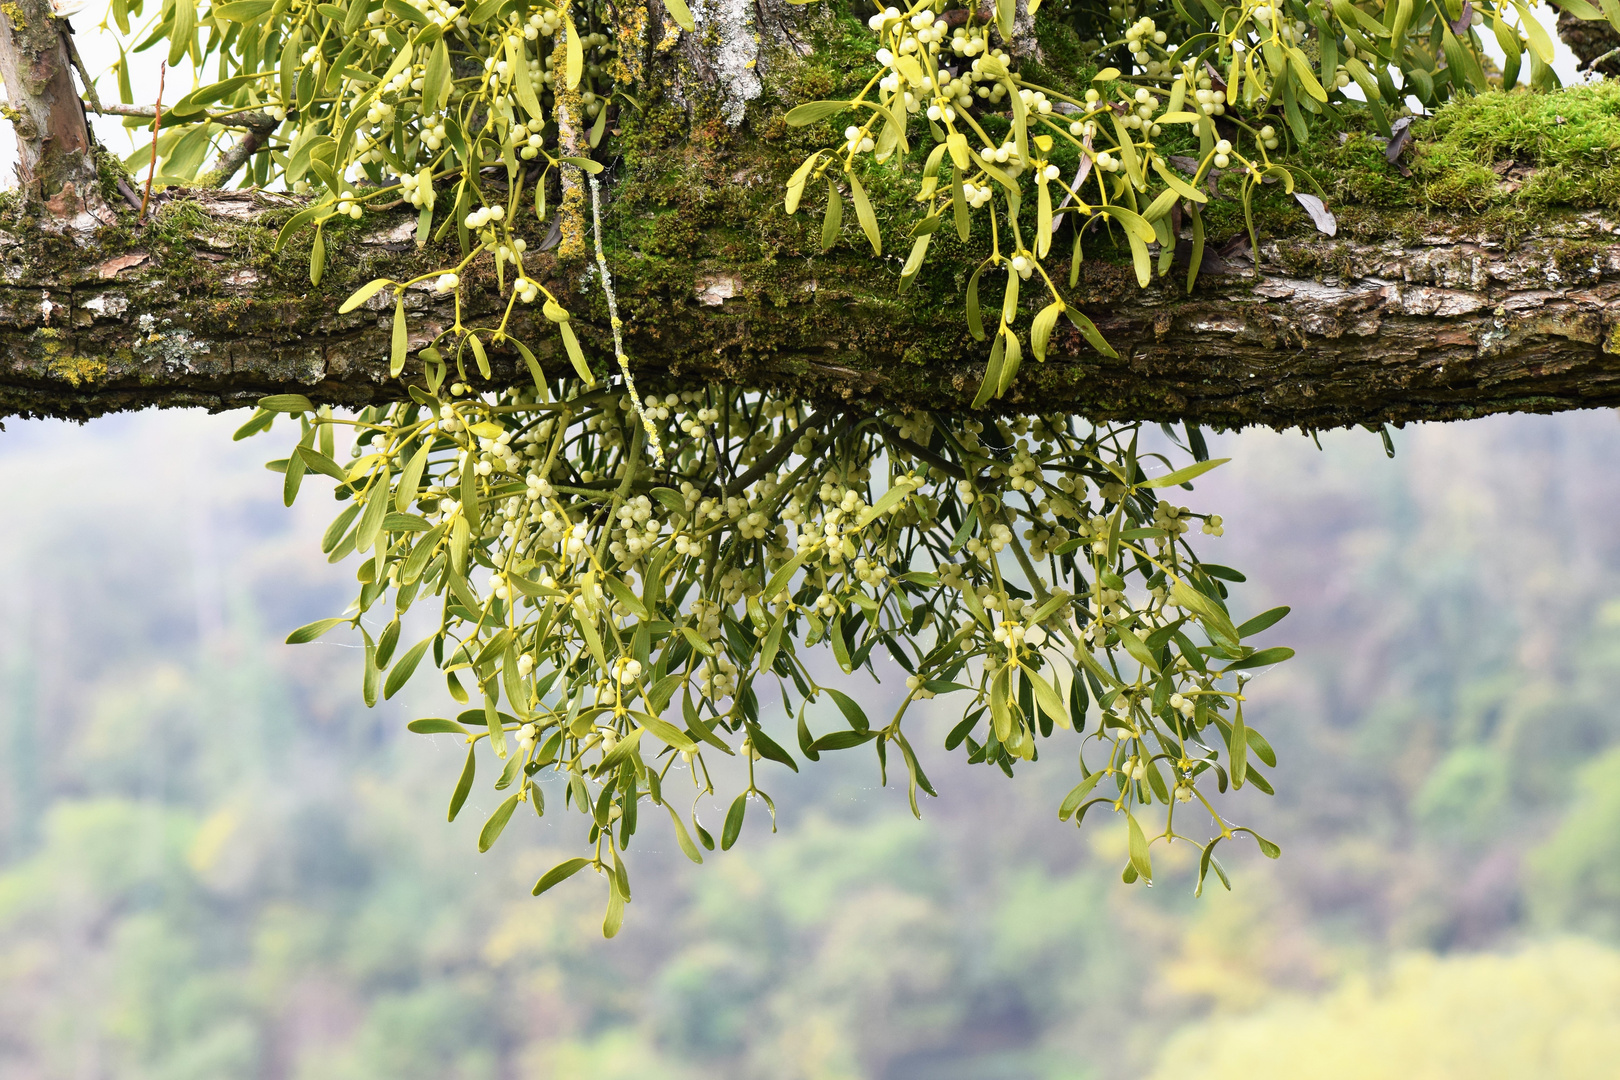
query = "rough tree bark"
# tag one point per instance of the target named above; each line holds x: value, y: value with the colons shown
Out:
x: 1402, y: 317
x: 55, y: 164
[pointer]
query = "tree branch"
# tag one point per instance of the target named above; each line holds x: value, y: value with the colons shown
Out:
x: 1327, y: 333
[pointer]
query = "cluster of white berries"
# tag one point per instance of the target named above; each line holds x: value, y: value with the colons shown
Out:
x: 1001, y: 155
x: 1022, y: 265
x: 1289, y: 30
x: 418, y: 189
x: 1035, y: 101
x: 441, y: 13
x: 477, y: 219
x: 1139, y: 35
x: 976, y: 196
x: 348, y: 205
x: 626, y: 670
x: 699, y: 420
x: 969, y: 41
x: 1210, y: 102
x: 527, y: 141
x: 1170, y: 518
x: 638, y: 530
x: 857, y: 141
x: 914, y: 683
x: 433, y: 136
x: 1000, y: 537
x: 542, y: 24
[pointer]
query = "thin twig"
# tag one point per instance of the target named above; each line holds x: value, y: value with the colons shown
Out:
x: 78, y: 65
x: 613, y: 318
x: 250, y: 115
x: 157, y: 122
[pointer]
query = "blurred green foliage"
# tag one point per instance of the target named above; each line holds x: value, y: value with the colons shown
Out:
x: 215, y: 865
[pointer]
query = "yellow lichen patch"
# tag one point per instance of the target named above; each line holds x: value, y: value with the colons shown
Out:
x: 631, y: 33
x: 76, y: 370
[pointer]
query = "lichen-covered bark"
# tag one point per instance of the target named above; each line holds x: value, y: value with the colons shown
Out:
x: 1451, y: 324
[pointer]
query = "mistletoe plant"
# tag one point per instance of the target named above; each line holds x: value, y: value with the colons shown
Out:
x: 611, y: 584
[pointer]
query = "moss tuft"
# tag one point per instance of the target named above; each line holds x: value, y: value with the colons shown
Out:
x: 1515, y: 149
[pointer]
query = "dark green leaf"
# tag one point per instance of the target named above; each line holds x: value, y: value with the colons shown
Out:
x: 561, y: 872
x: 497, y: 822
x: 734, y: 822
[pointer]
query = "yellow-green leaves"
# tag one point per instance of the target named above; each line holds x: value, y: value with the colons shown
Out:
x: 576, y: 355
x: 574, y: 668
x: 683, y: 18
x: 1040, y: 331
x: 312, y: 631
x: 1043, y: 219
x: 1139, y: 234
x: 914, y: 261
x: 833, y: 223
x: 560, y: 873
x: 584, y: 163
x: 183, y: 34
x: 1238, y: 751
x: 1302, y: 72
x: 287, y: 403
x: 317, y: 258
x: 959, y: 204
x: 1127, y: 152
x: 371, y: 518
x: 684, y: 838
x: 1140, y: 863
x: 1215, y: 620
x: 1403, y: 19
x: 362, y: 294
x: 812, y: 111
x: 404, y: 668
x: 1183, y: 475
x: 795, y: 188
x: 576, y: 54
x: 410, y: 481
x: 863, y: 212
x: 400, y: 342
x: 974, y: 319
x: 1071, y: 801
x: 469, y: 771
x: 521, y: 83
x: 1540, y: 42
x: 1047, y: 698
x: 1176, y: 183
x: 734, y: 822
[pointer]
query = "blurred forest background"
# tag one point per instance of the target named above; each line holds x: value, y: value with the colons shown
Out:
x: 216, y: 864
